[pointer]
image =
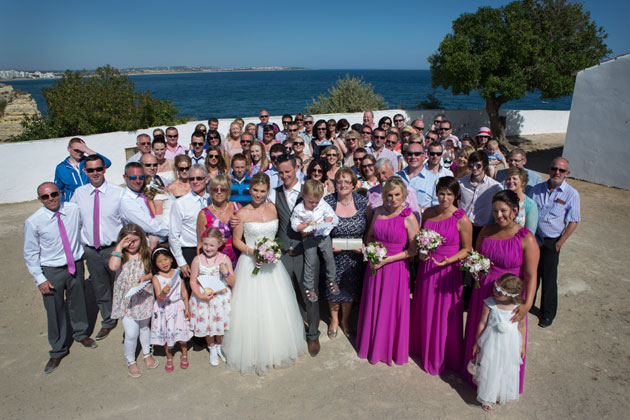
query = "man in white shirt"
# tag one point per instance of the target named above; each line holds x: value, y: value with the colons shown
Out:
x: 434, y: 161
x: 143, y: 143
x: 98, y: 204
x: 134, y: 205
x: 378, y: 150
x: 53, y: 255
x: 183, y: 222
x: 196, y: 152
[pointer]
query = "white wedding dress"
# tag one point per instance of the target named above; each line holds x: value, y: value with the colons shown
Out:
x: 266, y: 328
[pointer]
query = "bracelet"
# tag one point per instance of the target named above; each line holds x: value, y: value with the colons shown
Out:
x: 116, y: 254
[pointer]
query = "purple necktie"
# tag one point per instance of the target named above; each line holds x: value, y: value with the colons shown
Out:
x: 96, y: 232
x: 66, y: 244
x: 146, y: 201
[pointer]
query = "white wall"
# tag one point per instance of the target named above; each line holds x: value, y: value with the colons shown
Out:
x: 28, y: 164
x: 597, y: 144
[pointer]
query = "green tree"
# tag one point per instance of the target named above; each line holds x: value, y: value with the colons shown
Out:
x: 347, y: 95
x: 521, y: 47
x: 103, y: 102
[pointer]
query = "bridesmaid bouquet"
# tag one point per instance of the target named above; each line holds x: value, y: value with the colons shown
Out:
x: 374, y: 252
x: 266, y: 251
x: 428, y: 241
x: 477, y: 265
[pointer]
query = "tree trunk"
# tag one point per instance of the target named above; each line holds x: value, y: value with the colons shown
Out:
x: 496, y: 126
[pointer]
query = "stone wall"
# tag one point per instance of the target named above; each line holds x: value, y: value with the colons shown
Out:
x: 14, y: 104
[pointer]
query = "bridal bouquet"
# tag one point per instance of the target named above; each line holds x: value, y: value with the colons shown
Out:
x: 266, y: 251
x: 477, y: 265
x: 428, y: 240
x: 374, y: 252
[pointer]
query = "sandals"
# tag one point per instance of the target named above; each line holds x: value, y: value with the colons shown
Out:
x: 311, y: 295
x: 155, y: 364
x: 133, y: 375
x: 486, y: 407
x: 333, y: 287
x: 332, y: 333
x: 169, y: 364
x: 183, y: 362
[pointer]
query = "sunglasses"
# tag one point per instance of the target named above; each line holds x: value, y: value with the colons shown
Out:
x: 556, y: 169
x: 386, y: 123
x: 370, y: 165
x: 399, y: 120
x: 292, y: 130
x: 444, y: 128
x: 321, y: 128
x: 298, y: 143
x: 219, y: 189
x: 264, y: 116
x: 172, y: 137
x: 352, y: 139
x: 77, y: 151
x: 435, y: 153
x: 183, y: 168
x: 475, y: 165
x: 53, y: 194
x: 197, y: 178
x: 146, y: 143
x: 367, y: 133
x: 270, y: 133
x: 309, y: 122
x: 317, y: 171
x: 213, y: 156
x: 213, y: 137
x: 97, y: 169
x: 299, y: 119
x: 134, y: 177
x: 246, y: 141
x: 331, y: 155
x: 379, y: 137
x: 196, y: 144
x: 150, y: 165
x: 418, y: 128
x: 415, y: 153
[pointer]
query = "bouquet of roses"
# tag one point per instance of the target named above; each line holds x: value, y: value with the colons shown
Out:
x: 477, y: 265
x: 374, y: 252
x: 428, y: 240
x: 266, y: 251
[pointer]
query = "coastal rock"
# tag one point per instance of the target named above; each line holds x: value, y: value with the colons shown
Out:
x: 14, y: 104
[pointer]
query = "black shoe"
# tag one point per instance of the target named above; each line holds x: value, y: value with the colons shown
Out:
x: 52, y: 364
x: 545, y: 322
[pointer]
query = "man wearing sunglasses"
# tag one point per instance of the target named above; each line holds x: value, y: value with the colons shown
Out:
x: 54, y: 257
x: 476, y: 192
x: 197, y: 152
x: 284, y: 134
x: 69, y: 174
x: 434, y: 162
x: 558, y: 217
x: 173, y: 148
x: 143, y: 144
x: 307, y: 131
x: 378, y: 149
x: 134, y: 205
x: 99, y: 207
x: 418, y: 177
x: 264, y: 121
x: 446, y: 133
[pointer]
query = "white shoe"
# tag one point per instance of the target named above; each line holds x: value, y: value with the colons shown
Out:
x: 214, y: 360
x: 220, y: 352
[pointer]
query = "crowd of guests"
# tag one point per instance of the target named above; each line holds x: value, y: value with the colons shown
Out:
x: 172, y: 253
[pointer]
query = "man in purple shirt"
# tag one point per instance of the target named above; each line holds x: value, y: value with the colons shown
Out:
x: 558, y: 216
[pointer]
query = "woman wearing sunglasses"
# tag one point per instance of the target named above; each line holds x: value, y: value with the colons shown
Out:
x: 180, y: 186
x: 215, y: 162
x: 218, y: 214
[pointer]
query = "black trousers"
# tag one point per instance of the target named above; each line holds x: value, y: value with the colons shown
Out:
x: 548, y: 277
x: 189, y: 253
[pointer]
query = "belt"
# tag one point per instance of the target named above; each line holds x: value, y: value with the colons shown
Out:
x: 292, y: 252
x: 102, y: 247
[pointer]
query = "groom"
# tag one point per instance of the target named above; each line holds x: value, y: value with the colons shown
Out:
x: 285, y: 198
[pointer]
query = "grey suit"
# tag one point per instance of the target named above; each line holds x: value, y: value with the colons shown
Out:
x: 291, y: 240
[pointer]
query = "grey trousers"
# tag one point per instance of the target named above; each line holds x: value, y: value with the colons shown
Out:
x: 311, y: 261
x: 65, y: 308
x: 102, y: 282
x: 295, y: 266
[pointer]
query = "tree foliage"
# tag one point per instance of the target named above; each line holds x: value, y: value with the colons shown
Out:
x: 432, y: 102
x: 350, y: 94
x: 524, y: 46
x: 79, y: 104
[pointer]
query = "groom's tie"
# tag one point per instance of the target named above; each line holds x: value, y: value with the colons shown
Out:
x: 66, y: 244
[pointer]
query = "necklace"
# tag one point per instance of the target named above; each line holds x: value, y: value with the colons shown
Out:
x: 346, y: 204
x: 220, y: 210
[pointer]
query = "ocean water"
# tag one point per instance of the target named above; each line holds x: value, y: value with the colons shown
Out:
x: 243, y: 94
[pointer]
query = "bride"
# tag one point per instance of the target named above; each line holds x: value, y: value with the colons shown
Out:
x: 266, y: 326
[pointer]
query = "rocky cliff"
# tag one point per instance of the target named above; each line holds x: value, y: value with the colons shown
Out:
x: 14, y: 104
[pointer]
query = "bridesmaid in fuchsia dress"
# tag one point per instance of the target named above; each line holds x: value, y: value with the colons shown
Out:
x: 437, y: 309
x: 383, y: 329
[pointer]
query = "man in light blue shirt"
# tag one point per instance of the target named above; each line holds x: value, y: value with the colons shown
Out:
x: 418, y: 177
x: 517, y: 157
x: 558, y: 216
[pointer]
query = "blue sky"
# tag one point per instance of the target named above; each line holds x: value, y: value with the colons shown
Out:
x: 326, y: 34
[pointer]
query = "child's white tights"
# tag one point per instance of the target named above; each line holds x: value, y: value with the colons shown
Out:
x: 133, y: 329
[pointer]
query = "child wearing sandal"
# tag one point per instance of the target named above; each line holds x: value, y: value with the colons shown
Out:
x: 210, y: 308
x: 312, y: 210
x: 131, y: 260
x: 170, y: 311
x: 500, y: 344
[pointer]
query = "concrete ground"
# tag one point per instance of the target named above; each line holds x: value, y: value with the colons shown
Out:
x: 577, y: 368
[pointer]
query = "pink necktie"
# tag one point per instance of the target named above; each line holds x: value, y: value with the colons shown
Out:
x: 66, y: 244
x: 96, y: 232
x: 146, y: 201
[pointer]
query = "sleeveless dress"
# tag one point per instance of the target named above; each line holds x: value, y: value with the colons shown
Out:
x: 507, y: 257
x: 138, y: 306
x: 169, y: 324
x: 211, y: 317
x: 266, y: 329
x: 437, y: 308
x: 214, y: 222
x: 349, y: 264
x: 383, y: 327
x: 497, y: 376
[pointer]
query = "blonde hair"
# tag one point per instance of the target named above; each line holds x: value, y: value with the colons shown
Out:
x: 392, y: 183
x: 264, y: 161
x: 313, y: 188
x: 213, y: 233
x: 221, y: 181
x: 511, y: 284
x: 493, y: 143
x: 333, y: 148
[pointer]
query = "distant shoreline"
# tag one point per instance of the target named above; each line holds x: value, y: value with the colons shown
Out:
x: 160, y: 72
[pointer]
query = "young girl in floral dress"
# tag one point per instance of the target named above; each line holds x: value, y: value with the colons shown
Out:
x: 210, y: 309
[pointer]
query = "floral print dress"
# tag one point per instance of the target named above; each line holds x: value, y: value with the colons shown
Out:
x: 211, y: 317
